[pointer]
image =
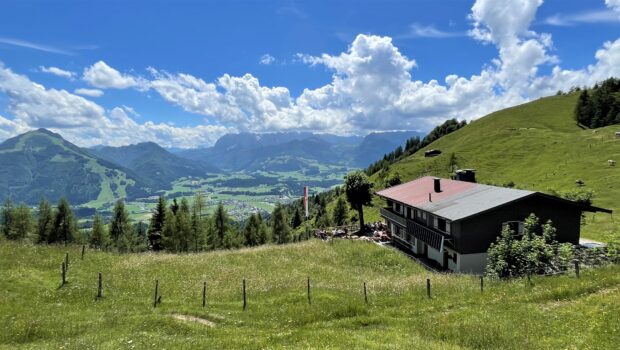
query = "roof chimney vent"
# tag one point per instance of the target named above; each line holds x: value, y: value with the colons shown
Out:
x: 437, y: 184
x: 468, y: 175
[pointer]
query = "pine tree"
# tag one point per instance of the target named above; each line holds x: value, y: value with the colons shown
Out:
x: 156, y: 225
x: 263, y: 234
x: 183, y: 226
x: 296, y: 218
x: 121, y: 231
x: 6, y: 218
x: 65, y: 227
x: 169, y: 237
x: 251, y: 232
x: 279, y: 225
x: 199, y: 227
x: 141, y: 237
x: 220, y: 226
x: 45, y: 221
x: 340, y: 212
x: 99, y: 238
x: 22, y: 222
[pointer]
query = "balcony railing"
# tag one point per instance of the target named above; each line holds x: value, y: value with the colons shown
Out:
x: 427, y: 235
x: 393, y: 216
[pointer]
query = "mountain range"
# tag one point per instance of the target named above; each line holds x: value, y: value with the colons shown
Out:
x: 41, y: 163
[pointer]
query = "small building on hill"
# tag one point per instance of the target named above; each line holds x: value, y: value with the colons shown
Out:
x: 453, y: 223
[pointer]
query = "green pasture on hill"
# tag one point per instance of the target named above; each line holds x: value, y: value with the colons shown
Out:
x: 561, y: 312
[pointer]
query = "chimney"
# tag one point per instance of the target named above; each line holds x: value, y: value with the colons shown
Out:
x: 429, y: 197
x: 437, y: 184
x: 468, y: 175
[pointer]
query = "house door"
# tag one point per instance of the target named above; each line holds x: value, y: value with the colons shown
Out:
x: 445, y: 259
x: 425, y: 250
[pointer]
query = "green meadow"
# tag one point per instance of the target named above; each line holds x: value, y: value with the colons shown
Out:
x: 560, y: 312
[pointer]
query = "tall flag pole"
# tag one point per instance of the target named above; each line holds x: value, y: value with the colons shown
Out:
x: 306, y: 201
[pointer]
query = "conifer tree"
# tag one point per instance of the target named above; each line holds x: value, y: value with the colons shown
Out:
x: 99, y: 238
x: 263, y: 233
x: 121, y: 231
x: 251, y: 232
x: 6, y: 218
x: 199, y: 227
x: 296, y: 218
x: 169, y: 237
x: 340, y: 212
x: 65, y: 227
x: 156, y: 225
x: 183, y: 226
x: 22, y: 222
x: 279, y: 225
x: 45, y: 221
x: 220, y: 226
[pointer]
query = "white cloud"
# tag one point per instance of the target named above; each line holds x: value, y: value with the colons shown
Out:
x: 605, y: 16
x: 613, y: 4
x: 266, y: 59
x: 34, y: 46
x: 102, y: 76
x: 86, y: 123
x: 89, y: 92
x: 57, y: 71
x: 417, y: 30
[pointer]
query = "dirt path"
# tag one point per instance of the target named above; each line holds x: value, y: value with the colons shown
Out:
x: 188, y: 318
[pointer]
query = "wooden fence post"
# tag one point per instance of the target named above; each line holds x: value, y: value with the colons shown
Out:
x: 309, y: 299
x: 245, y: 304
x: 481, y: 284
x: 100, y: 287
x: 365, y: 294
x: 204, y: 294
x: 63, y: 273
x: 83, y: 248
x: 156, y: 292
x: 577, y: 268
x: 428, y: 287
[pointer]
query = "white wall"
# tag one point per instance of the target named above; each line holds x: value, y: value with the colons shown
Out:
x: 434, y: 254
x: 471, y: 263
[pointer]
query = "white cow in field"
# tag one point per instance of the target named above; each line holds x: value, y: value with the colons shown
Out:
x: 611, y: 162
x: 618, y: 134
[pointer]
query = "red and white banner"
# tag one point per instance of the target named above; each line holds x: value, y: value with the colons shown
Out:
x: 306, y: 201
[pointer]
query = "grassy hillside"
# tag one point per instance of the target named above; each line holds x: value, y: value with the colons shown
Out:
x: 553, y: 313
x: 537, y: 146
x: 42, y: 164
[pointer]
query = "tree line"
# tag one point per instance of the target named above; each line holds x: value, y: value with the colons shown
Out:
x: 414, y: 144
x: 600, y: 105
x: 175, y: 227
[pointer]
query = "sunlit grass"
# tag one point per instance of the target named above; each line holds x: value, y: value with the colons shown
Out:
x: 553, y: 312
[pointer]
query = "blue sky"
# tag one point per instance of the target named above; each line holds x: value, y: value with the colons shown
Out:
x: 287, y: 45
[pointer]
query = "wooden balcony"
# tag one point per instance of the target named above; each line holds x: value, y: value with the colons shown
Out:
x: 393, y: 216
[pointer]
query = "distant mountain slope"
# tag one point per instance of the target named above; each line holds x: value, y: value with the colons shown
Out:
x: 42, y: 164
x: 153, y: 163
x: 375, y: 145
x: 293, y: 150
x: 536, y: 146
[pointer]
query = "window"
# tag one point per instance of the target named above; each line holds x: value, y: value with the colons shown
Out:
x: 448, y: 227
x: 409, y: 212
x: 397, y: 207
x: 435, y: 222
x: 441, y: 224
x: 515, y: 226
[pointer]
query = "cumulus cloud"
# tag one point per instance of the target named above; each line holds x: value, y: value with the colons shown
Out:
x: 372, y: 88
x: 614, y: 4
x: 86, y: 123
x: 58, y: 72
x: 89, y: 92
x: 266, y: 59
x: 102, y: 76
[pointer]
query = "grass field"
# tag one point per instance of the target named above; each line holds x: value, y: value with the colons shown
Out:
x: 560, y: 312
x: 537, y: 146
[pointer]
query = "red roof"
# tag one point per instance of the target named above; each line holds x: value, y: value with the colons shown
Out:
x: 415, y: 193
